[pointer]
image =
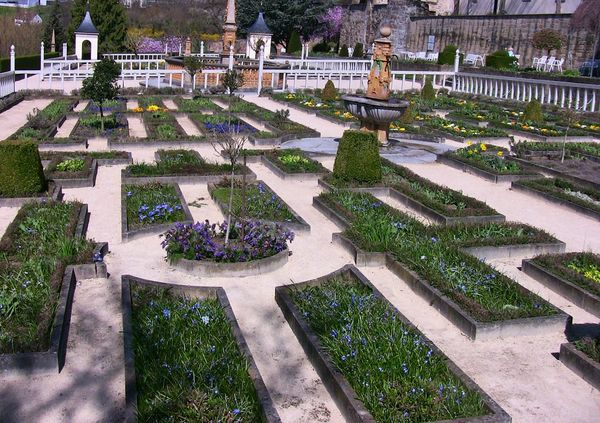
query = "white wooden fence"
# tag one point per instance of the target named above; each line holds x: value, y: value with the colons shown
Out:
x: 7, y: 83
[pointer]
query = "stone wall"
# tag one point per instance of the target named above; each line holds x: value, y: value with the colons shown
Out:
x: 397, y: 13
x: 516, y: 7
x: 485, y: 34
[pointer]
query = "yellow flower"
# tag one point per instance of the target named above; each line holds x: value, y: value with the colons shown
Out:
x: 483, y: 147
x: 402, y: 129
x: 500, y: 153
x: 153, y: 108
x: 469, y: 143
x: 138, y: 110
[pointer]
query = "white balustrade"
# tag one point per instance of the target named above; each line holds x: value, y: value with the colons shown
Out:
x: 7, y: 83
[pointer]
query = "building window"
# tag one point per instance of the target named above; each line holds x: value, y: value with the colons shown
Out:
x: 430, y: 42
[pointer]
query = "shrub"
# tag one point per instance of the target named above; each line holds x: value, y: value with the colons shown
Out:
x: 329, y: 93
x: 358, y: 50
x: 358, y: 158
x: 428, y: 93
x: 294, y: 45
x: 21, y: 171
x: 321, y: 47
x: 533, y: 112
x: 344, y: 51
x: 500, y: 60
x: 447, y: 55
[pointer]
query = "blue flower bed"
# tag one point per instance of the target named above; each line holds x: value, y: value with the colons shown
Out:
x: 226, y: 128
x: 206, y: 241
x: 151, y: 204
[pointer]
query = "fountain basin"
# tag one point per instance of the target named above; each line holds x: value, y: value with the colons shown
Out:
x: 374, y: 111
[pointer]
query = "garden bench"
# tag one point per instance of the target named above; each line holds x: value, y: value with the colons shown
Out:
x: 473, y: 59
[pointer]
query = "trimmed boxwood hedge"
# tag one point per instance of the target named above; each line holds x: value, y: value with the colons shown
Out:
x: 358, y: 158
x: 21, y: 171
x: 25, y: 62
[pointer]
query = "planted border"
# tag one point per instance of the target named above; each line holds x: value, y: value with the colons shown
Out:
x: 556, y: 173
x: 65, y: 277
x: 77, y: 179
x: 488, y: 327
x: 550, y: 271
x: 128, y: 234
x: 547, y: 189
x: 271, y: 159
x: 581, y: 364
x: 267, y: 409
x: 338, y: 386
x: 54, y: 193
x: 297, y: 224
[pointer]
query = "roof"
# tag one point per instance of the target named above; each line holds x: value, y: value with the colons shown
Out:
x: 260, y: 26
x: 87, y: 26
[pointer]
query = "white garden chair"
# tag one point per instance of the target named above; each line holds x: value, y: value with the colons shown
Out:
x: 421, y: 55
x: 410, y: 55
x: 432, y: 57
x: 539, y: 62
x: 557, y: 65
x: 549, y: 63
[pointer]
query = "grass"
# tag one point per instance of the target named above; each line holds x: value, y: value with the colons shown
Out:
x: 261, y: 202
x: 152, y: 204
x: 198, y: 375
x: 195, y: 105
x: 522, y: 148
x: 462, y: 129
x: 34, y: 251
x: 581, y: 269
x: 69, y: 166
x: 392, y: 369
x: 481, y: 291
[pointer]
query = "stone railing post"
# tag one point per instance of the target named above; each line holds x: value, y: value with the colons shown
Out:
x: 12, y: 58
x: 231, y: 57
x: 65, y: 52
x: 261, y: 62
x: 457, y: 60
x: 42, y: 60
x: 201, y: 48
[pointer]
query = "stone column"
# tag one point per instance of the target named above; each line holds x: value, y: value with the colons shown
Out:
x: 261, y: 62
x: 12, y: 58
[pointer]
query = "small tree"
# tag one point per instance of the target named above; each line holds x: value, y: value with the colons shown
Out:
x: 102, y: 85
x: 568, y: 116
x: 193, y: 65
x: 547, y: 39
x: 232, y: 81
x: 231, y: 145
x: 134, y: 39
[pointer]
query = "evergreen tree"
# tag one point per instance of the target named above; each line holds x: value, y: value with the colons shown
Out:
x: 108, y: 16
x: 283, y: 17
x: 54, y: 21
x: 102, y: 85
x: 294, y: 45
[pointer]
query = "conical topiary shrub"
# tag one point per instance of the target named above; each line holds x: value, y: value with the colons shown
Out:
x: 344, y: 51
x: 408, y: 117
x: 428, y: 93
x: 533, y: 112
x: 357, y: 158
x: 294, y: 45
x: 358, y: 50
x: 329, y: 93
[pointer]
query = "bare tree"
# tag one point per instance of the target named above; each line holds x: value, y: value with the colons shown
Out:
x: 231, y: 145
x: 587, y: 16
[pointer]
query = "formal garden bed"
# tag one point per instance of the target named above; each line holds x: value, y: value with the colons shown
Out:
x: 462, y: 132
x: 262, y: 204
x: 104, y: 158
x: 90, y: 126
x: 481, y: 301
x: 575, y: 168
x: 581, y: 198
x: 436, y: 202
x: 182, y: 166
x: 71, y: 170
x: 252, y: 248
x: 195, y: 105
x: 293, y: 164
x: 583, y: 357
x: 162, y: 125
x: 541, y: 131
x: 575, y: 276
x: 205, y: 373
x: 527, y: 149
x: 361, y: 346
x: 37, y: 283
x: 151, y: 208
x: 221, y: 123
x: 486, y: 161
x: 43, y: 124
x: 109, y: 107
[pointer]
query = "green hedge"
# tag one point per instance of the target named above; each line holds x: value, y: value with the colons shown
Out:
x: 501, y: 60
x: 21, y: 171
x: 358, y: 158
x: 25, y: 62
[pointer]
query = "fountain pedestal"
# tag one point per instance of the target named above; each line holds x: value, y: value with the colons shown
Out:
x: 374, y: 110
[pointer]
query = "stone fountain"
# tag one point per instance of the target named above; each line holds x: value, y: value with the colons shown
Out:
x: 375, y: 110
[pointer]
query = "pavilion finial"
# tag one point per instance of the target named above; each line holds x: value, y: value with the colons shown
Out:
x: 230, y: 27
x: 230, y: 19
